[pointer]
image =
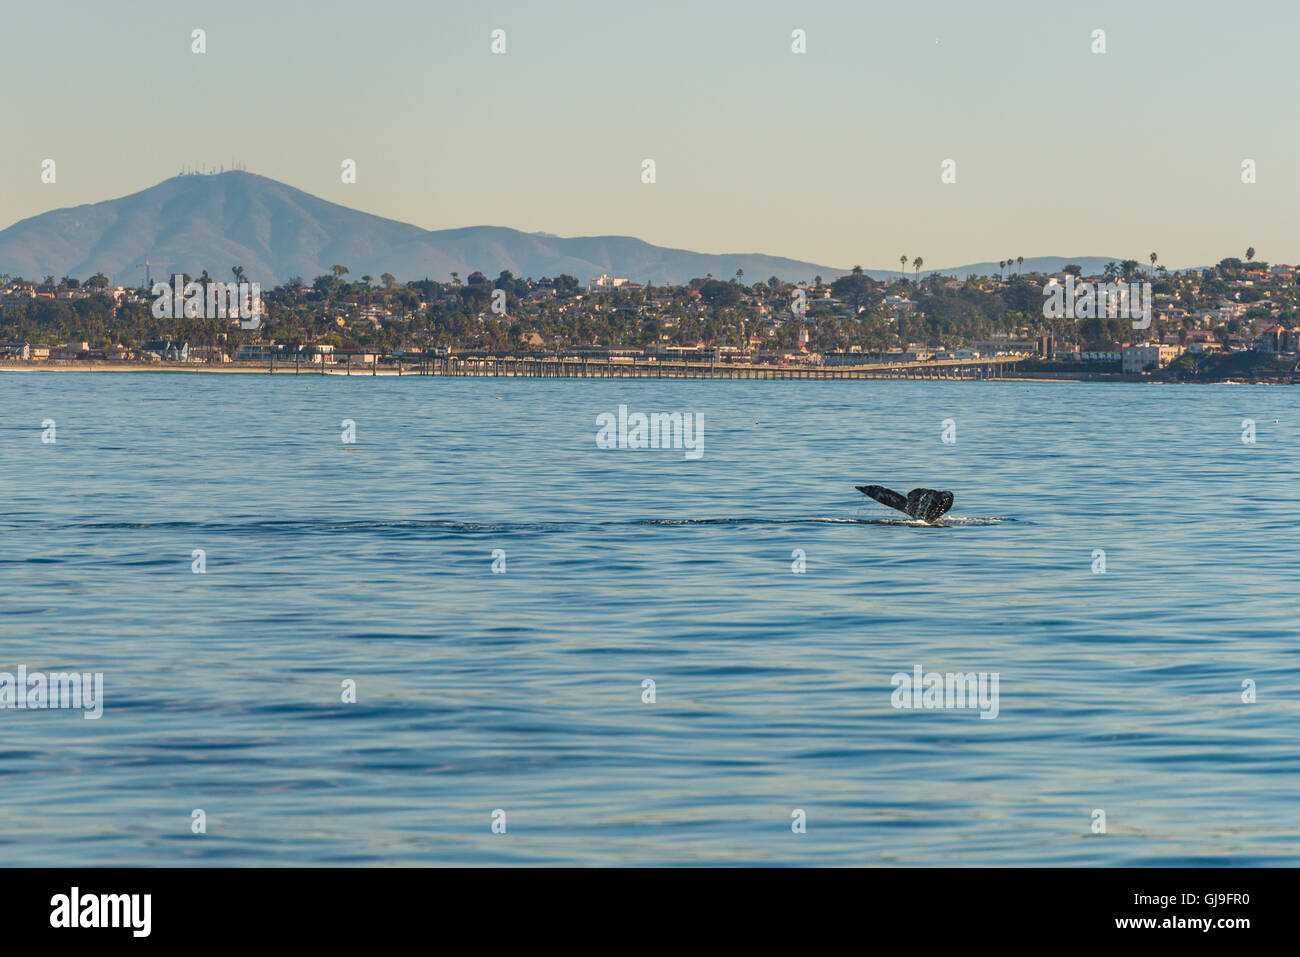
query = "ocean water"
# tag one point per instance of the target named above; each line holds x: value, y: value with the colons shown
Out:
x: 1119, y: 691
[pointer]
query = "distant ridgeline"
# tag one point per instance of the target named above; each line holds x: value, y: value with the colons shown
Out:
x: 213, y: 216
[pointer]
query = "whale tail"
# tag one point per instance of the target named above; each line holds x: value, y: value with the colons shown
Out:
x: 926, y: 504
x: 885, y: 496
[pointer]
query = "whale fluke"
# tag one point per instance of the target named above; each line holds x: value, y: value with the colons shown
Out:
x: 885, y: 496
x: 926, y: 504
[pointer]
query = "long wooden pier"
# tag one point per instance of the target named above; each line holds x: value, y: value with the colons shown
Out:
x: 566, y: 367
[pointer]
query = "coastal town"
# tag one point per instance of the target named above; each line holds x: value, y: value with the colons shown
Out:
x: 1238, y: 319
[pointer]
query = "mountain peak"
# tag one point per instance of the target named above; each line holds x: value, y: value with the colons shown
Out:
x: 213, y: 221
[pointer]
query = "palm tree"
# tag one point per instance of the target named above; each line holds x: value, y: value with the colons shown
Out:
x: 1002, y: 264
x: 1020, y: 261
x: 1153, y: 257
x: 239, y: 273
x: 903, y: 260
x: 740, y: 275
x: 917, y: 263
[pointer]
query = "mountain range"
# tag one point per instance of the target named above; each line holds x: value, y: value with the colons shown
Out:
x: 194, y: 222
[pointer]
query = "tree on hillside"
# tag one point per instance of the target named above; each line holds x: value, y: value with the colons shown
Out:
x: 857, y: 289
x: 719, y: 294
x: 475, y: 294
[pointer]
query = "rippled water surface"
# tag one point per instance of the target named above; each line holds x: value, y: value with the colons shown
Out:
x: 523, y: 692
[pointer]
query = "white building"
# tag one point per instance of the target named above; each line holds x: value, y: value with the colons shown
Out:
x: 1135, y: 359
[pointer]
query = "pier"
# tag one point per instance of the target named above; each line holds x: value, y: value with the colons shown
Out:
x: 582, y: 367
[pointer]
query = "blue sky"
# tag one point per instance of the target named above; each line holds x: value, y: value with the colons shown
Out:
x: 831, y: 156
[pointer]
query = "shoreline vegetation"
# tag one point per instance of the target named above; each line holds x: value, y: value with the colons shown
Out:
x: 1236, y: 321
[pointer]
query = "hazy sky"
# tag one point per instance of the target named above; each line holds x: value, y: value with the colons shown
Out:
x: 832, y: 156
